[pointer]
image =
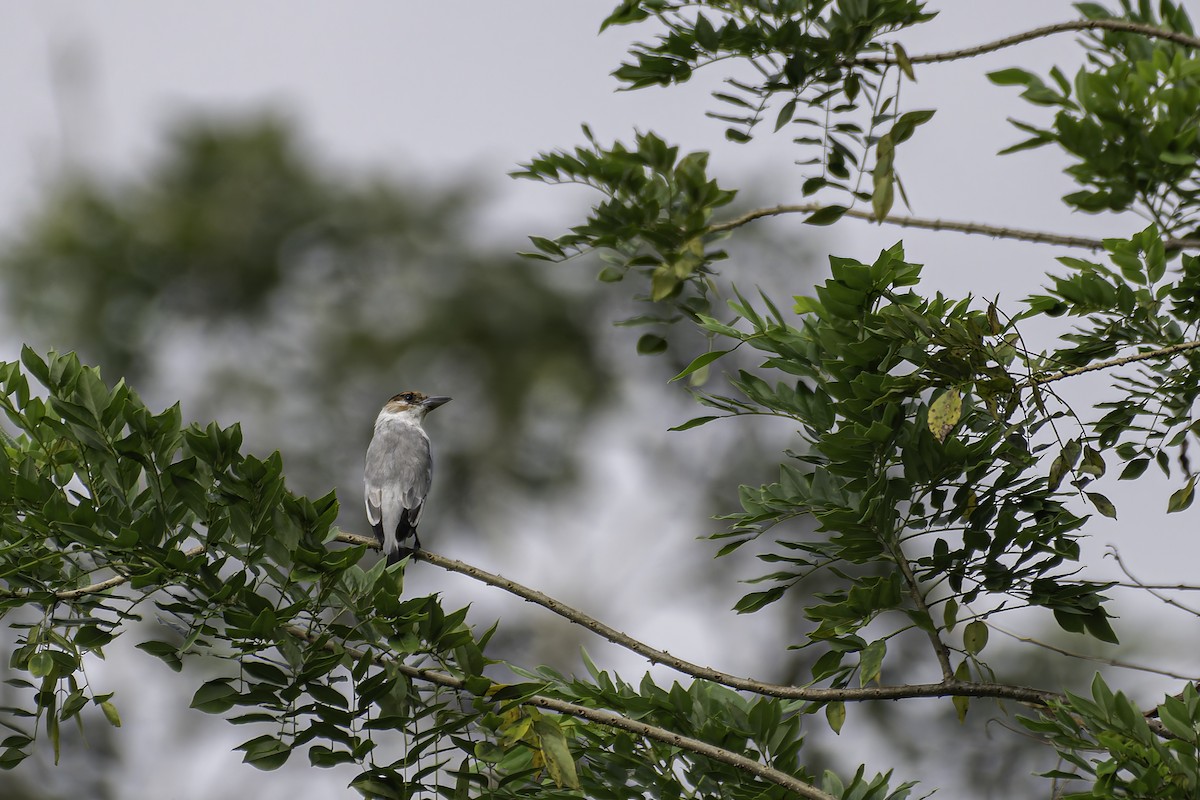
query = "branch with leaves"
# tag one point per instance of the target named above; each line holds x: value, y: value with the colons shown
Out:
x: 821, y: 214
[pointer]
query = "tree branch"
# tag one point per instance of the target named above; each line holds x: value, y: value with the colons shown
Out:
x: 1119, y: 25
x: 1116, y: 554
x: 947, y: 688
x: 1170, y: 350
x: 600, y: 717
x: 1112, y: 662
x: 995, y: 231
x: 914, y: 591
x: 950, y: 688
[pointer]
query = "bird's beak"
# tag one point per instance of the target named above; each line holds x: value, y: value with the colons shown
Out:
x: 430, y: 403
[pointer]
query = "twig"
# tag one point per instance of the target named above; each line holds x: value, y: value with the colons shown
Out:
x: 995, y: 231
x: 1112, y: 662
x: 951, y: 688
x: 96, y: 588
x: 914, y: 590
x: 600, y: 717
x: 1116, y: 554
x: 1120, y: 25
x: 1170, y: 350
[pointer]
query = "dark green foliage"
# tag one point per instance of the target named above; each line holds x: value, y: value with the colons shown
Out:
x: 331, y: 658
x: 1106, y: 741
x: 813, y: 69
x: 1128, y: 120
x: 656, y: 216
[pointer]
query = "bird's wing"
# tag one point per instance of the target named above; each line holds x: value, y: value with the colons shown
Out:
x: 399, y: 470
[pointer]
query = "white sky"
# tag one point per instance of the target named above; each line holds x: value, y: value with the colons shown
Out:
x: 447, y: 88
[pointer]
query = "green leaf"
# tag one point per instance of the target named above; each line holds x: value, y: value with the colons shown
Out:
x: 110, y: 713
x: 699, y: 362
x: 826, y: 216
x: 903, y: 62
x: 651, y: 345
x: 835, y: 714
x: 663, y: 283
x: 756, y: 600
x: 215, y: 696
x: 975, y: 637
x: 1182, y: 498
x: 1093, y: 463
x: 950, y: 614
x: 1134, y: 469
x: 807, y: 305
x: 265, y: 752
x: 870, y: 662
x: 41, y: 664
x: 962, y: 674
x: 556, y: 752
x: 166, y: 651
x: 1012, y: 77
x: 785, y: 114
x: 883, y: 194
x: 1102, y: 504
x: 1058, y: 470
x: 693, y: 423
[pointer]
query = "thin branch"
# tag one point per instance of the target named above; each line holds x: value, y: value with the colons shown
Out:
x: 1166, y: 587
x: 1116, y: 554
x: 914, y: 590
x: 995, y: 231
x: 600, y: 717
x: 1112, y: 662
x: 951, y: 688
x: 118, y: 580
x: 1119, y: 25
x: 948, y: 688
x: 1170, y: 350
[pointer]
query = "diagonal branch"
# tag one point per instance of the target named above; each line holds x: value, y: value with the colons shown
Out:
x: 947, y: 688
x: 600, y: 717
x: 995, y: 231
x: 1119, y: 25
x: 918, y: 597
x: 950, y: 688
x: 1112, y: 662
x: 1170, y: 350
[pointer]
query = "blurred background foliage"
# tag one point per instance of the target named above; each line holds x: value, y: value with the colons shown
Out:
x: 241, y: 275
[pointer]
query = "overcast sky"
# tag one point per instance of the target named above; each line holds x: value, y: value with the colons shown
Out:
x: 450, y: 88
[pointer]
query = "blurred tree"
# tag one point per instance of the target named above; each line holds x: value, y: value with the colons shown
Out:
x: 243, y: 276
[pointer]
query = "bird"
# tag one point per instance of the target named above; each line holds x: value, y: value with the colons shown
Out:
x: 398, y: 472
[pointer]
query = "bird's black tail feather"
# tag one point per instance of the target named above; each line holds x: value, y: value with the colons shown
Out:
x: 402, y: 551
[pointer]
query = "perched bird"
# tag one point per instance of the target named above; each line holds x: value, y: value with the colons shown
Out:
x: 399, y: 470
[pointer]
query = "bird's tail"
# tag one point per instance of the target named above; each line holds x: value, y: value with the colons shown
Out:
x: 401, y: 552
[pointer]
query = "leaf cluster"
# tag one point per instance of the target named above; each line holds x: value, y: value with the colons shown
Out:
x: 1129, y: 119
x: 654, y: 219
x: 1108, y: 742
x: 886, y: 465
x: 1133, y: 305
x: 806, y: 72
x: 111, y: 513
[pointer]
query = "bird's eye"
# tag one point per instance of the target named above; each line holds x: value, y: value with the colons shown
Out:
x: 408, y: 397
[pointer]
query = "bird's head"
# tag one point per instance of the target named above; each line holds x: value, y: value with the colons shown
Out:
x: 413, y: 404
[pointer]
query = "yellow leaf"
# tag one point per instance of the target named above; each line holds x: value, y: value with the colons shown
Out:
x: 944, y: 414
x: 556, y: 752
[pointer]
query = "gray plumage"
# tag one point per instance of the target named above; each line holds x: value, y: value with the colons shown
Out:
x: 399, y: 471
